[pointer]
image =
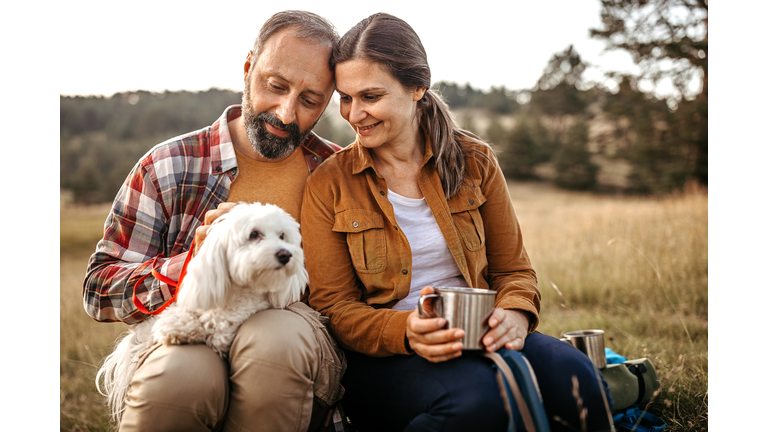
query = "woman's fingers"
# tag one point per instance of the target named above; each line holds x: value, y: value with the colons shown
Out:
x: 509, y: 329
x: 430, y: 340
x: 440, y: 353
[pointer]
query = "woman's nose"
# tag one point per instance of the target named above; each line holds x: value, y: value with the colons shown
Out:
x: 356, y: 113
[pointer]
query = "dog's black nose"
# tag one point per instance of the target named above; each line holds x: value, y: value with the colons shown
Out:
x: 283, y: 256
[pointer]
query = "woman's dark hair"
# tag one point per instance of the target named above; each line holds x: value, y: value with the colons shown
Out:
x: 392, y: 43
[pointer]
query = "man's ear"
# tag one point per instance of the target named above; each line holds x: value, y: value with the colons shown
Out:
x: 247, y: 66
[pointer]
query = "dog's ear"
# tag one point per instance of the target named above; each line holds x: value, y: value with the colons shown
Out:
x: 207, y: 281
x: 292, y: 293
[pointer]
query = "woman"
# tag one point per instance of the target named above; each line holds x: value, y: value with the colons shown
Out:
x: 417, y: 202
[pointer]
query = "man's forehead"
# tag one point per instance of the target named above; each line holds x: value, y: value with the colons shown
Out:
x: 285, y: 44
x: 297, y: 59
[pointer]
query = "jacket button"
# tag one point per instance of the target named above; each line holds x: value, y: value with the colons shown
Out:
x: 354, y: 224
x: 471, y: 202
x: 405, y: 271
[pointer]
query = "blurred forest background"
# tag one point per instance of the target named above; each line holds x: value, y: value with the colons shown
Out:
x: 614, y: 136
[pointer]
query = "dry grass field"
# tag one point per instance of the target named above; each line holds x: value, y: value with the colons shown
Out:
x: 635, y: 267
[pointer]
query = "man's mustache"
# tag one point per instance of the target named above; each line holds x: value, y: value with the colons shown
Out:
x: 291, y: 128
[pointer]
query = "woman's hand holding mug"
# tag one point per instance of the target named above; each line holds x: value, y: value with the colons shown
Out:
x: 428, y: 337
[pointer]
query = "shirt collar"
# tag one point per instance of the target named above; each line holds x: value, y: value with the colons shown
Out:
x: 223, y: 156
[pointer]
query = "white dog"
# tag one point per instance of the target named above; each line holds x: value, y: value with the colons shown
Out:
x: 251, y: 260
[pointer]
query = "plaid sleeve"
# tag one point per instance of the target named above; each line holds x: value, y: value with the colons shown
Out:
x: 133, y: 242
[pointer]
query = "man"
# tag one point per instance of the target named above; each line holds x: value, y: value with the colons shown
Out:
x: 283, y: 371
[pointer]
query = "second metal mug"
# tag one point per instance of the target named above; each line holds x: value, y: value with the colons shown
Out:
x: 590, y: 342
x: 464, y: 308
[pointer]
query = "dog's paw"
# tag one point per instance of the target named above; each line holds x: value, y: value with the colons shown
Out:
x: 167, y: 337
x: 177, y: 326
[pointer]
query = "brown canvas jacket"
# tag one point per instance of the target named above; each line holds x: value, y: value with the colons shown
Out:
x: 359, y: 262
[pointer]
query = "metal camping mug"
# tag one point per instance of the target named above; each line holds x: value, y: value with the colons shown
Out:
x: 590, y: 342
x: 466, y: 308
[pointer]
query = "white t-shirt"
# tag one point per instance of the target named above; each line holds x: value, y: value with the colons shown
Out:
x: 433, y: 263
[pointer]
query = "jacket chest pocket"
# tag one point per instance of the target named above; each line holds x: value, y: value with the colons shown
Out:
x: 365, y: 238
x: 465, y: 212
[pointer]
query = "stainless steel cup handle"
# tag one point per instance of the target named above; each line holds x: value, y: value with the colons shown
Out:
x: 422, y: 299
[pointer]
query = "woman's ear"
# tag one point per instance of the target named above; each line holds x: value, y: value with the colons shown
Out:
x: 419, y: 93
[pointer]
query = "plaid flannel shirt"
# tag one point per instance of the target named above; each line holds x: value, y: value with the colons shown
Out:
x: 156, y: 212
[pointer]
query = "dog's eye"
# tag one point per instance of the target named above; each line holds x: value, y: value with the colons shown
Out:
x: 282, y: 236
x: 254, y: 235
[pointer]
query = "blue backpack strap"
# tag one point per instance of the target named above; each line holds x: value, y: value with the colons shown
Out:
x: 634, y: 419
x: 521, y: 390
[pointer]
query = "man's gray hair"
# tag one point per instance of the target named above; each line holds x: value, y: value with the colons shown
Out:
x: 309, y: 26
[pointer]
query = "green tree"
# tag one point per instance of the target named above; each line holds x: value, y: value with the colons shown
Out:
x: 501, y: 101
x: 454, y: 96
x: 528, y: 144
x: 661, y: 145
x: 667, y: 39
x: 496, y: 133
x: 564, y: 67
x: 572, y: 160
x: 557, y: 95
x: 86, y: 184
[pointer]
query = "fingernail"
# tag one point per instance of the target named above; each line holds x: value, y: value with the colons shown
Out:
x: 457, y: 346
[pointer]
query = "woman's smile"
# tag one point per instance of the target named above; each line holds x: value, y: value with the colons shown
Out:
x: 367, y: 130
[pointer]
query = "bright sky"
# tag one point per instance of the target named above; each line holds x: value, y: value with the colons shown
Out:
x: 161, y: 45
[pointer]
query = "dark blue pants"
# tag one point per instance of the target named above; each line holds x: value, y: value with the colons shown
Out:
x: 408, y: 393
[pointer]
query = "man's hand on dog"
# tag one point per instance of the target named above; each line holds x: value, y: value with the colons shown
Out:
x: 211, y: 215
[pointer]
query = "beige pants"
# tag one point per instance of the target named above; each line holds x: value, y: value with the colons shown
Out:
x: 283, y: 374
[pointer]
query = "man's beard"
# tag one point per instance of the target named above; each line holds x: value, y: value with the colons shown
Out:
x: 265, y: 143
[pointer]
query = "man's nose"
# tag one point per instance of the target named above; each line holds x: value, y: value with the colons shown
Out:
x: 286, y: 111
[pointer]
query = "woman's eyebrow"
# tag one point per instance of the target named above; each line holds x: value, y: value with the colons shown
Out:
x: 365, y: 90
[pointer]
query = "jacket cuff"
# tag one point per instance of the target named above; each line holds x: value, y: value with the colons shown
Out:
x: 394, y: 333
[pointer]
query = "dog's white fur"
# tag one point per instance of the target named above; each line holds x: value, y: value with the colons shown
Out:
x: 251, y: 260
